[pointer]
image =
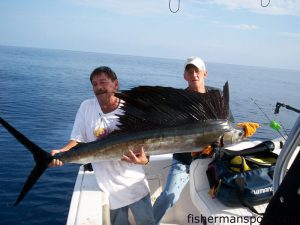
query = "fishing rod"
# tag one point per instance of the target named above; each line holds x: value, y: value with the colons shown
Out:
x: 273, y: 124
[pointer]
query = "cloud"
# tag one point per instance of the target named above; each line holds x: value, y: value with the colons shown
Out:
x: 242, y: 26
x: 128, y: 7
x: 148, y: 7
x: 289, y: 34
x: 272, y: 7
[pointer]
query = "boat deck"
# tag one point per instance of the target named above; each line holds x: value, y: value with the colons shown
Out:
x: 89, y: 205
x: 87, y: 200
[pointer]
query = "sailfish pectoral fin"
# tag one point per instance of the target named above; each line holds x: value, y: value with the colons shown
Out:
x: 41, y: 157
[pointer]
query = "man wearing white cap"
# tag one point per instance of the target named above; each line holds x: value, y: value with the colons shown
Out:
x: 195, y: 74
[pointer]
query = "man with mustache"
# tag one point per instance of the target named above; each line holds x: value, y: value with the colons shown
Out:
x: 125, y: 182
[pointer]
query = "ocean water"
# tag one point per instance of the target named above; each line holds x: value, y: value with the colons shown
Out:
x: 42, y: 89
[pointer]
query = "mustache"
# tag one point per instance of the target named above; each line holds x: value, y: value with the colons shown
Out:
x: 102, y: 91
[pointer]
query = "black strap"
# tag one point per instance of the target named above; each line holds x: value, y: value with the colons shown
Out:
x: 240, y: 183
x: 266, y: 146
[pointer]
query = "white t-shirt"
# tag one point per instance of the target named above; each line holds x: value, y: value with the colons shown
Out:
x: 124, y: 182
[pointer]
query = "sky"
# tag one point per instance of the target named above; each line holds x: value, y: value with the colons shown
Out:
x: 246, y: 32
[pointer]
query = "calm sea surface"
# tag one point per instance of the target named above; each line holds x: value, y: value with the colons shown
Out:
x: 41, y: 91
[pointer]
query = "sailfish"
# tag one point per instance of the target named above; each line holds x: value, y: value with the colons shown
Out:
x: 161, y: 119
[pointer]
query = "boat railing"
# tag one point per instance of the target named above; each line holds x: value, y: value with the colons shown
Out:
x: 287, y: 153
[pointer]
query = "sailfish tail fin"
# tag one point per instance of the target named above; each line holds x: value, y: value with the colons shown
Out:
x: 41, y: 157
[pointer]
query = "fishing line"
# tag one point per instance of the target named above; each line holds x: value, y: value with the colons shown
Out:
x: 283, y: 127
x: 273, y: 124
x: 261, y: 110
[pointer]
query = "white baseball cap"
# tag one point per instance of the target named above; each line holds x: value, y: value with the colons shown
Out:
x: 196, y: 61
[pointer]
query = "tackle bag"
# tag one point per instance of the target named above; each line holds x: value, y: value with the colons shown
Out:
x: 242, y: 178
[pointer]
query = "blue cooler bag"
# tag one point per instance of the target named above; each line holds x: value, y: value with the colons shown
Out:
x: 242, y: 179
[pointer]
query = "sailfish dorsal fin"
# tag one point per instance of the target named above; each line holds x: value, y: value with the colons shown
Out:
x: 154, y: 107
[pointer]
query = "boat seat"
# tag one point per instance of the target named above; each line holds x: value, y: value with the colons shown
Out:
x: 211, y: 210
